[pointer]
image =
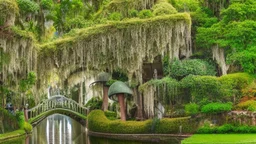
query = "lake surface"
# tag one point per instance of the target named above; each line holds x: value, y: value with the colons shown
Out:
x: 60, y: 129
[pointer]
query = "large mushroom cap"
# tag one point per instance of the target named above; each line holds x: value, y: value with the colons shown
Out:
x: 102, y: 78
x: 117, y: 88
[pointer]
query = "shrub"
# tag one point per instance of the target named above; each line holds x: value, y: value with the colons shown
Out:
x: 46, y: 4
x: 206, y: 88
x: 232, y: 84
x: 214, y: 108
x: 28, y: 6
x: 167, y: 126
x: 247, y: 105
x: 110, y: 115
x: 94, y: 103
x: 115, y: 16
x: 163, y: 8
x: 185, y: 5
x: 98, y: 122
x: 227, y: 128
x: 191, y: 109
x: 145, y: 14
x: 27, y: 127
x: 180, y: 69
x: 133, y: 13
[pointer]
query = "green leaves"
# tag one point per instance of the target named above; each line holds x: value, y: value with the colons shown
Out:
x: 26, y: 84
x: 180, y: 69
x: 28, y: 6
x: 213, y: 108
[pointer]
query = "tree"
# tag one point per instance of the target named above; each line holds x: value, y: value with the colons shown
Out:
x: 236, y: 33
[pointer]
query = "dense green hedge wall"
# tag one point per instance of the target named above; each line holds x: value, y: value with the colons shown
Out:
x: 98, y: 122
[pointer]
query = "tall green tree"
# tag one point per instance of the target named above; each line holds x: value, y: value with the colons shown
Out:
x: 236, y: 33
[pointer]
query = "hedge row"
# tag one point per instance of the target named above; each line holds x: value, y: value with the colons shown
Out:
x: 98, y: 122
x: 227, y: 128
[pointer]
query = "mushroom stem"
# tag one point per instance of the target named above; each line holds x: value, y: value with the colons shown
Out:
x: 122, y: 108
x: 105, y: 98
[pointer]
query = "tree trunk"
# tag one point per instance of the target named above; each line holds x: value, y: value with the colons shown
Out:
x: 122, y: 107
x: 105, y: 98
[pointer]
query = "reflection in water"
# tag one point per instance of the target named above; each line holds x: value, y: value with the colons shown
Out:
x: 58, y: 129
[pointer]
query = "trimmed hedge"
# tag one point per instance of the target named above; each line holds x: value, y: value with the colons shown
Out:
x: 213, y: 108
x: 227, y: 128
x: 98, y: 122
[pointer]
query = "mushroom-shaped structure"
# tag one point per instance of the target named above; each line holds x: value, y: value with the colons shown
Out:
x: 103, y: 78
x: 119, y: 89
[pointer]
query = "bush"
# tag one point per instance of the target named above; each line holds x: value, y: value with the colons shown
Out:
x: 226, y: 128
x: 98, y: 122
x: 162, y: 8
x: 202, y: 88
x: 133, y: 13
x: 28, y: 6
x: 249, y: 105
x: 115, y: 16
x: 94, y: 103
x: 185, y: 5
x: 214, y: 108
x: 46, y: 4
x: 191, y: 109
x: 145, y: 14
x: 180, y: 69
x: 167, y: 126
x: 232, y: 84
x: 110, y: 115
x: 27, y: 127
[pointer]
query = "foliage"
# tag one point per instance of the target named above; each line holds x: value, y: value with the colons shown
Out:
x: 227, y: 128
x: 232, y: 84
x: 191, y: 109
x: 250, y: 90
x: 180, y: 69
x: 213, y: 108
x: 26, y: 84
x: 94, y: 103
x: 133, y: 13
x: 249, y: 105
x: 7, y: 8
x: 98, y: 122
x: 145, y: 14
x: 168, y: 89
x: 46, y: 4
x: 27, y: 127
x: 110, y: 115
x: 28, y: 6
x: 185, y: 5
x: 236, y: 33
x: 115, y: 16
x: 162, y: 8
x: 202, y: 88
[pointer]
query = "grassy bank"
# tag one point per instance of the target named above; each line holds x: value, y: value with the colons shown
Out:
x: 221, y: 139
x: 12, y: 134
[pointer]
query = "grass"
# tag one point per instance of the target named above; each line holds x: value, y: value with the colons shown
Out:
x: 12, y: 134
x: 221, y: 139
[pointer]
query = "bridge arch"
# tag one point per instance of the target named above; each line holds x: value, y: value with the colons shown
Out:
x: 56, y: 104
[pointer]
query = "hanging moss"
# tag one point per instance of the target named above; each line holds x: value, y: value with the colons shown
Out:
x: 164, y: 90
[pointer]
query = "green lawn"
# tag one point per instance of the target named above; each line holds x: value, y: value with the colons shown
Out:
x: 221, y: 139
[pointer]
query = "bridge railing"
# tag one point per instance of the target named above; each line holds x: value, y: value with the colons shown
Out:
x: 55, y: 102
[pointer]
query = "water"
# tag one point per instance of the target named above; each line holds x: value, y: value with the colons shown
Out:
x: 60, y: 129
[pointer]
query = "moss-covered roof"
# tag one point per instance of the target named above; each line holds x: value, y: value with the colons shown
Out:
x: 119, y: 87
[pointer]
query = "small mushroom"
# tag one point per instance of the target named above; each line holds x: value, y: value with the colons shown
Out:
x: 118, y: 90
x: 102, y: 78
